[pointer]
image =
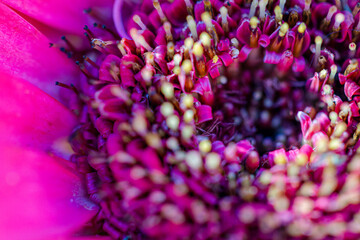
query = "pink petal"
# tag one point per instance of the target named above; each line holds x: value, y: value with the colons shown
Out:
x: 67, y: 15
x: 40, y: 198
x: 25, y: 53
x: 305, y: 122
x: 351, y: 89
x: 31, y: 118
x: 204, y: 113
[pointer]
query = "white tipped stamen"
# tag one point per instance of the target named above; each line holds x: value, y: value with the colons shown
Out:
x: 253, y: 7
x: 212, y: 161
x: 177, y: 59
x: 167, y: 89
x: 186, y: 66
x: 121, y: 48
x: 339, y: 18
x: 352, y: 48
x: 173, y: 122
x: 192, y: 26
x: 278, y: 14
x: 323, y: 74
x: 188, y: 116
x: 206, y: 18
x: 224, y: 21
x: 138, y: 21
x: 139, y: 39
x: 318, y: 42
x: 205, y: 39
x: 167, y: 28
x: 262, y: 8
x: 283, y: 29
x: 333, y: 72
x: 205, y: 146
x: 282, y: 5
x: 254, y: 21
x: 194, y: 160
x: 167, y: 109
x: 159, y: 10
x: 331, y: 12
x: 198, y: 50
x: 188, y: 43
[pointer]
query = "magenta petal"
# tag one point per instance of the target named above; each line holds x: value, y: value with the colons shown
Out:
x: 204, y: 113
x: 31, y: 118
x: 244, y: 53
x: 25, y: 53
x: 305, y: 122
x: 41, y: 199
x: 111, y: 64
x: 299, y: 64
x: 351, y: 89
x: 67, y: 15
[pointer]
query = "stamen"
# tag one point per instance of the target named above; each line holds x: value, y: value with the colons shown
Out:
x: 139, y: 39
x: 206, y: 18
x: 224, y: 21
x: 205, y: 39
x: 339, y: 18
x: 188, y: 43
x: 177, y: 59
x: 68, y: 43
x: 254, y: 34
x: 318, y: 42
x: 282, y: 4
x: 283, y: 29
x: 307, y: 13
x: 352, y: 48
x: 323, y: 74
x: 138, y: 21
x: 299, y: 39
x: 167, y: 89
x: 262, y: 8
x: 333, y: 71
x: 253, y: 7
x: 198, y: 51
x: 159, y: 10
x: 167, y: 28
x: 278, y: 14
x: 189, y: 7
x: 120, y: 46
x: 186, y: 67
x: 170, y: 50
x: 91, y: 62
x: 207, y: 6
x: 192, y: 26
x: 356, y: 9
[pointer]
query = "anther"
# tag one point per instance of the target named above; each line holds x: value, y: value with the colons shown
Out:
x: 206, y: 18
x: 188, y: 44
x: 192, y: 26
x: 137, y: 20
x: 224, y: 21
x: 262, y: 8
x: 159, y: 10
x: 333, y: 71
x: 253, y: 7
x: 318, y: 42
x: 254, y: 34
x: 170, y: 50
x: 282, y: 5
x: 352, y: 48
x: 299, y: 39
x: 168, y: 35
x: 278, y: 14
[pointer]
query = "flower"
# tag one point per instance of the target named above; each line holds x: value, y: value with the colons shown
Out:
x: 219, y: 119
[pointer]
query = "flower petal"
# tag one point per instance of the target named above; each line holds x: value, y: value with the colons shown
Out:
x: 25, y: 53
x: 40, y: 199
x: 31, y: 118
x: 67, y: 15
